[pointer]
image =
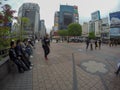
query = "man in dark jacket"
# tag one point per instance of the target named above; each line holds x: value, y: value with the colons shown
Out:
x: 14, y: 58
x: 46, y: 45
x: 18, y: 50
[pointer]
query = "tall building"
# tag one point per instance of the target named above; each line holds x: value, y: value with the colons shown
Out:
x: 95, y: 23
x: 56, y: 21
x: 65, y: 16
x: 30, y: 11
x: 105, y: 28
x: 85, y: 29
x: 42, y: 28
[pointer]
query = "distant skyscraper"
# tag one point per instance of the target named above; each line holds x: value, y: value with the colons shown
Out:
x: 30, y: 11
x: 42, y: 28
x: 66, y: 15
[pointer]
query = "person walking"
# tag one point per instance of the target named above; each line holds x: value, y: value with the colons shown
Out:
x: 99, y: 44
x: 91, y: 44
x: 96, y: 45
x: 46, y: 46
x: 87, y: 44
x: 118, y: 70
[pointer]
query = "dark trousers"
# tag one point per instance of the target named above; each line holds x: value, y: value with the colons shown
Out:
x: 91, y: 46
x: 87, y: 46
x: 25, y: 61
x: 46, y: 50
x: 20, y: 65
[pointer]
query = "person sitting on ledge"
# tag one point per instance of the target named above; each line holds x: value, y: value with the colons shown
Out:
x: 13, y: 57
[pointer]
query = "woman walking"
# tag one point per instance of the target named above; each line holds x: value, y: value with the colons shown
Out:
x: 46, y: 45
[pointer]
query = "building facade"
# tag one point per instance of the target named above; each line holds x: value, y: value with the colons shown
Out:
x: 42, y: 28
x: 105, y: 28
x: 65, y: 16
x: 85, y: 29
x: 30, y: 11
x: 56, y: 21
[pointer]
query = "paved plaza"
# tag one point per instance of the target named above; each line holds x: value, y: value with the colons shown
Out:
x: 94, y: 70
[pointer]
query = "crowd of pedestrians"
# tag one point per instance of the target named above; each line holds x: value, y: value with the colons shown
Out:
x: 90, y: 42
x: 20, y: 53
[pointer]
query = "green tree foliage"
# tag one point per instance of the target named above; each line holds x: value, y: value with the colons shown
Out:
x: 92, y: 35
x: 62, y: 32
x: 24, y: 23
x: 4, y: 37
x: 6, y: 16
x: 25, y: 20
x: 7, y: 13
x: 74, y: 29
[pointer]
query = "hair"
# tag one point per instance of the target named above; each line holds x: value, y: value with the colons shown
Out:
x: 18, y: 41
x: 12, y: 43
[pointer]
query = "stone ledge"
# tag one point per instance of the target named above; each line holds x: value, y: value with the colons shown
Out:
x: 4, y: 68
x: 4, y: 60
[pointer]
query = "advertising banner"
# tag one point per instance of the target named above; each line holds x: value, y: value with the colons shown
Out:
x: 114, y: 31
x: 115, y: 19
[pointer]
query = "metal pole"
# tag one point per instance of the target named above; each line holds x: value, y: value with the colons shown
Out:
x: 75, y: 84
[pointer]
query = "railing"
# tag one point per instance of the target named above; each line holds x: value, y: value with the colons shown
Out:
x: 4, y: 53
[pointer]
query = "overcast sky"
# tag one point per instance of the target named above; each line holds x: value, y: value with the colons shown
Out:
x: 85, y: 8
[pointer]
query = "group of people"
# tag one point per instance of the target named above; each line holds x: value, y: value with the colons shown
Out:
x: 20, y: 53
x: 97, y: 43
x: 113, y: 43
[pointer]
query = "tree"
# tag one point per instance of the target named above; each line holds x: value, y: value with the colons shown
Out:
x: 7, y: 13
x: 92, y: 35
x: 24, y: 23
x: 6, y: 16
x: 74, y: 29
x: 63, y: 32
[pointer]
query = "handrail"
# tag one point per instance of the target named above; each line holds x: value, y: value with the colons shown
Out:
x: 4, y: 53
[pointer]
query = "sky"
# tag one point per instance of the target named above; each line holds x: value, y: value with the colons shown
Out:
x: 85, y: 8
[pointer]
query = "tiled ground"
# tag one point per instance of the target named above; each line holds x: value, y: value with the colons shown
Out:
x: 57, y: 73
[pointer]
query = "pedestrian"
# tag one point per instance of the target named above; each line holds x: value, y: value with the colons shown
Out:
x: 118, y: 70
x: 87, y: 44
x: 96, y: 45
x: 14, y: 58
x: 46, y: 46
x: 99, y: 44
x: 91, y: 44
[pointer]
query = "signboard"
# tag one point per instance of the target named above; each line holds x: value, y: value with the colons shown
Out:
x: 95, y: 16
x: 115, y: 19
x: 114, y: 31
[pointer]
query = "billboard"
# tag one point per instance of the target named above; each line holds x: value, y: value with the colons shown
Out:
x: 115, y: 19
x: 95, y: 16
x: 114, y: 31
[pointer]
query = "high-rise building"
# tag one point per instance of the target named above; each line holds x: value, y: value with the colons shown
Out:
x: 105, y: 28
x: 42, y: 28
x: 66, y: 15
x: 30, y: 11
x: 85, y: 29
x: 95, y: 23
x: 56, y: 21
